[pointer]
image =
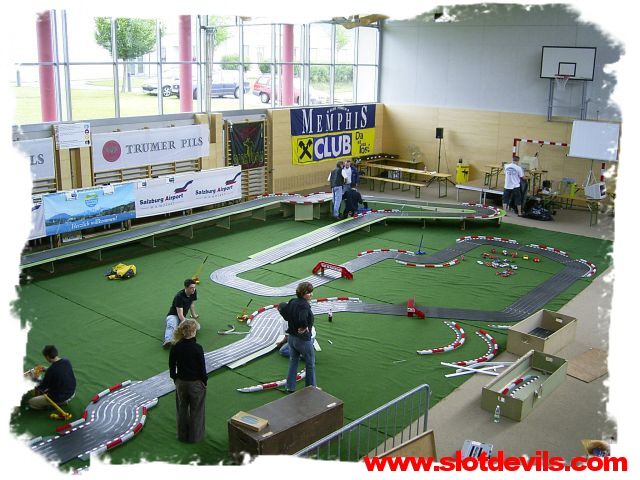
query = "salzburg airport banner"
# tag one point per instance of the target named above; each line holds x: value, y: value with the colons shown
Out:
x: 37, y: 221
x: 321, y: 134
x: 187, y: 190
x: 118, y: 150
x: 40, y: 155
x: 79, y: 209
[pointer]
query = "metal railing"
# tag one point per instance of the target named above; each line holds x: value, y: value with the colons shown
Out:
x: 391, y: 424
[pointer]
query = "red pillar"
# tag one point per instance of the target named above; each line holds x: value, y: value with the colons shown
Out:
x: 45, y: 54
x: 287, y: 70
x: 186, y: 97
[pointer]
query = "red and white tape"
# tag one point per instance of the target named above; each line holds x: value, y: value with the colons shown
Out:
x: 266, y: 386
x: 385, y: 250
x: 458, y: 342
x: 592, y: 267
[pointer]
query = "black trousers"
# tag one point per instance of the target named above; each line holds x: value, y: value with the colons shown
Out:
x: 190, y: 401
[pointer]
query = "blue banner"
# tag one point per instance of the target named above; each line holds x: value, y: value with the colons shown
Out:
x: 321, y: 120
x: 79, y: 209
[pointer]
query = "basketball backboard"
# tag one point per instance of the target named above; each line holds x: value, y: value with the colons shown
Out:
x: 578, y: 63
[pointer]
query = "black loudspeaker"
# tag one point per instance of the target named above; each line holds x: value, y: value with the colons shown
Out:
x: 439, y: 132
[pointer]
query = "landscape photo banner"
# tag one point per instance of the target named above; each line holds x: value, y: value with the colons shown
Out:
x: 79, y: 209
x: 332, y: 133
x: 39, y: 153
x: 187, y: 190
x: 119, y: 150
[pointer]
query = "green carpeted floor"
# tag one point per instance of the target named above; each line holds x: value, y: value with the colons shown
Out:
x: 112, y: 330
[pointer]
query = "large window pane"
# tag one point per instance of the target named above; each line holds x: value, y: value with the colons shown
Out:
x: 368, y: 45
x: 320, y: 42
x: 82, y: 43
x: 26, y: 89
x: 92, y: 92
x: 319, y: 84
x: 343, y: 86
x: 344, y: 45
x: 367, y: 84
x: 257, y: 42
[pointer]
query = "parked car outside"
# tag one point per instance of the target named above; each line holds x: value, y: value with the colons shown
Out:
x: 150, y: 86
x: 262, y: 88
x: 223, y: 83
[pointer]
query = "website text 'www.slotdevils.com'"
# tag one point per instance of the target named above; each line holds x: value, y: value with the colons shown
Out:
x: 540, y: 462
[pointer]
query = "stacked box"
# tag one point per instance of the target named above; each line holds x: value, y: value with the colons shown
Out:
x: 522, y: 386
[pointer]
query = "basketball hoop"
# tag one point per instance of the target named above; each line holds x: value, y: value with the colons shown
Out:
x: 561, y: 81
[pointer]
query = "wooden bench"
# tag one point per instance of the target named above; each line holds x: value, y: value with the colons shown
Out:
x: 393, y: 181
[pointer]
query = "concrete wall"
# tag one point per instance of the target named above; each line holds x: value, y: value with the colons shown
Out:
x: 490, y: 60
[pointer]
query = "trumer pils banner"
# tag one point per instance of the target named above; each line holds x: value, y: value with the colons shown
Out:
x: 137, y: 148
x: 320, y: 134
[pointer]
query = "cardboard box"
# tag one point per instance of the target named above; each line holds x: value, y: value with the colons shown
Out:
x: 249, y: 421
x: 516, y: 390
x: 544, y: 331
x: 295, y: 421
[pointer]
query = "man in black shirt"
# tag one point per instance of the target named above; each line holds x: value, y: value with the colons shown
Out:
x: 59, y: 382
x: 182, y: 302
x: 351, y: 199
x: 300, y: 320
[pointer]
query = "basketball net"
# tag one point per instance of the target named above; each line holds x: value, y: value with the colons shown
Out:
x: 561, y: 81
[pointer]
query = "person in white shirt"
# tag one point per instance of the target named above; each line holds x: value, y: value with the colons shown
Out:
x: 513, y: 174
x: 346, y: 174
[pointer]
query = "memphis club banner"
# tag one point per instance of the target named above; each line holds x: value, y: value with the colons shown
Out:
x: 138, y: 148
x: 332, y: 133
x: 187, y: 190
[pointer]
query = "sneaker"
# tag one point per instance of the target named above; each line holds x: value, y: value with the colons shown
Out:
x: 166, y: 345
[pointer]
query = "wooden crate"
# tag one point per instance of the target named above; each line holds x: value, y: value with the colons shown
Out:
x: 295, y: 421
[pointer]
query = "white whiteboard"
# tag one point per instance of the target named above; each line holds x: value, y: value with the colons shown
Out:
x: 594, y: 140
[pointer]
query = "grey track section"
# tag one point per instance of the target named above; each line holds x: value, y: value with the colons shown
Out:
x: 119, y: 412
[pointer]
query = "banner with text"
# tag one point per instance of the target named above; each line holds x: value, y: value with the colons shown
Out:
x: 79, y: 209
x: 40, y: 155
x: 187, y: 190
x: 332, y: 133
x: 118, y: 150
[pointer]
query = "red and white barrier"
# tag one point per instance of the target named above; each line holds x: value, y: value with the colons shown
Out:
x: 458, y: 342
x: 109, y: 390
x: 548, y: 249
x: 450, y: 263
x: 267, y: 386
x: 492, y: 352
x: 517, y: 384
x: 592, y: 267
x: 385, y: 250
x: 486, y: 237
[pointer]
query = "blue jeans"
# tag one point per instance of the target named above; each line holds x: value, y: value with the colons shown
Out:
x: 297, y: 347
x: 337, y: 200
x: 172, y: 323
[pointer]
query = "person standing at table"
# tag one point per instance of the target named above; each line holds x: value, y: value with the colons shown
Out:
x: 336, y: 180
x: 513, y: 174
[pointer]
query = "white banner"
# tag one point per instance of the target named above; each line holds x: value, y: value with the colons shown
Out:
x: 37, y: 220
x: 187, y: 190
x: 118, y: 150
x: 40, y: 155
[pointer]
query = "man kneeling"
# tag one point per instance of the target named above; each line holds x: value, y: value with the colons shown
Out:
x: 59, y: 382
